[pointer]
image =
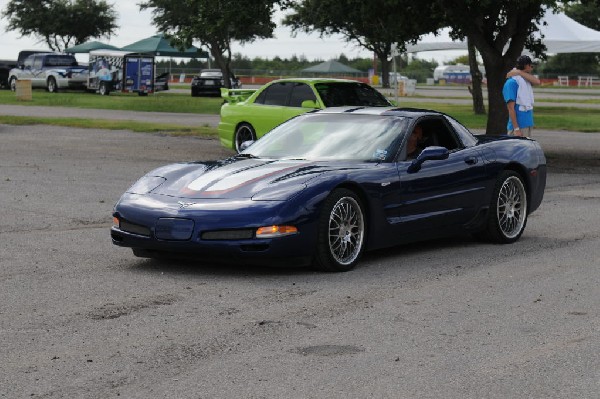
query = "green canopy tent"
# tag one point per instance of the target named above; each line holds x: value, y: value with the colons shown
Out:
x: 331, y: 67
x: 160, y: 46
x: 90, y: 46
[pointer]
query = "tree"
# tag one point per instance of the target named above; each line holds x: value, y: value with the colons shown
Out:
x: 476, y: 80
x: 214, y: 23
x: 499, y: 30
x: 59, y: 23
x: 376, y: 25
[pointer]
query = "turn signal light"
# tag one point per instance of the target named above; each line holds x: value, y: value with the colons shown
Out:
x: 275, y: 231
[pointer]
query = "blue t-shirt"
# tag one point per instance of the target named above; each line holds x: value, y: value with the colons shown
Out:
x: 524, y: 118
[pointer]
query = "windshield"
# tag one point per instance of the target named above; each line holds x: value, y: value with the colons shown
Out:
x: 61, y: 60
x: 339, y: 94
x: 370, y: 138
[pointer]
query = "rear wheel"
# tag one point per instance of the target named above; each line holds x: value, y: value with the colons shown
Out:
x: 244, y: 132
x: 508, y: 210
x: 51, y: 85
x: 341, y: 235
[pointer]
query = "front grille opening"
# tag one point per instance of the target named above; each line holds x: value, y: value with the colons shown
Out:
x: 242, y: 234
x: 134, y: 228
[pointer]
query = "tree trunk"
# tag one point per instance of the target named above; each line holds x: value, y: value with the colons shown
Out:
x: 385, y: 68
x: 496, y: 67
x: 476, y: 79
x: 223, y: 62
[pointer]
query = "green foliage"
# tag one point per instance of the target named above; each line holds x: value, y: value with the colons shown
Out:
x: 586, y: 13
x: 419, y: 69
x: 214, y: 23
x: 570, y: 64
x: 61, y: 23
x: 463, y: 60
x: 377, y: 25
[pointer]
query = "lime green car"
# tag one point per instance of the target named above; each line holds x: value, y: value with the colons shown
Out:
x: 249, y: 114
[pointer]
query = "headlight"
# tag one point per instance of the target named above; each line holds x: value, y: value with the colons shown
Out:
x: 146, y: 184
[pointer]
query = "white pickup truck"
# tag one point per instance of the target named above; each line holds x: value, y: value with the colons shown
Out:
x: 52, y: 71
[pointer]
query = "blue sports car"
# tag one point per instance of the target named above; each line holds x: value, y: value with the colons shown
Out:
x: 325, y: 186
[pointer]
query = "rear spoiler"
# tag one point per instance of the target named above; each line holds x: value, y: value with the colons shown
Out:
x: 236, y: 95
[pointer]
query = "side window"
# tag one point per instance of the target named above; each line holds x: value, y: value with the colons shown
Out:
x: 37, y: 62
x: 301, y: 92
x: 464, y: 134
x: 28, y: 63
x: 438, y: 133
x: 277, y: 94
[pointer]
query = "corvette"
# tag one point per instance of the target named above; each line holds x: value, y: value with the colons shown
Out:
x: 325, y: 186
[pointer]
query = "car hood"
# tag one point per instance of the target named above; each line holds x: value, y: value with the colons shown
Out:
x: 258, y: 179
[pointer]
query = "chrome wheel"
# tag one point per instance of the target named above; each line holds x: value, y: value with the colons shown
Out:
x: 346, y: 230
x: 13, y: 84
x: 52, y: 87
x: 511, y: 208
x: 342, y: 232
x: 244, y: 132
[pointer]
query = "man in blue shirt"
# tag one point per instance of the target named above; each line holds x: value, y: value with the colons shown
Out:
x: 518, y: 96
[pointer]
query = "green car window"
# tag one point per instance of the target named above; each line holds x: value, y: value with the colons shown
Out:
x: 339, y: 94
x: 301, y: 92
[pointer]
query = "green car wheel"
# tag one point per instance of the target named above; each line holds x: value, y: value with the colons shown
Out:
x: 244, y: 132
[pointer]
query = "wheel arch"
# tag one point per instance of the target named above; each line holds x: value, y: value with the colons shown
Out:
x: 366, y: 205
x: 522, y: 172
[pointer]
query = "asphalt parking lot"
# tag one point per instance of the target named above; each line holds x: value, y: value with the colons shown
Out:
x: 80, y: 318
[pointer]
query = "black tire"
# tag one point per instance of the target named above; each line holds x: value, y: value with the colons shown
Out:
x: 341, y: 235
x: 103, y: 90
x: 12, y: 84
x: 244, y: 132
x: 507, y: 216
x: 51, y: 85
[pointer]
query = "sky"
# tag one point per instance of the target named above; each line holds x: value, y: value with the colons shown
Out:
x: 136, y: 25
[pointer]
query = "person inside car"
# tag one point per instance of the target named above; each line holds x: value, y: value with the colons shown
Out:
x: 414, y: 144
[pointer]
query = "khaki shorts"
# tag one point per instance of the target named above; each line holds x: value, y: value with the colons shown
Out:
x: 525, y: 132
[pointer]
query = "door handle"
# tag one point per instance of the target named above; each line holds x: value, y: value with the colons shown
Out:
x: 470, y: 160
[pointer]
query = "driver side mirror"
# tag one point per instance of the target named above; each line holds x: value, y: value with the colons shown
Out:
x: 432, y: 153
x: 309, y: 104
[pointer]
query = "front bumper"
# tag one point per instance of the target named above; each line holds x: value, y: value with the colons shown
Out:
x: 282, y: 251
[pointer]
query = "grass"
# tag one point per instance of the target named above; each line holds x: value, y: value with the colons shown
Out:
x: 169, y: 129
x: 162, y: 102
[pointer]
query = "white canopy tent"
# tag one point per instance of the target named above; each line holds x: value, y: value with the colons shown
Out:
x: 561, y: 34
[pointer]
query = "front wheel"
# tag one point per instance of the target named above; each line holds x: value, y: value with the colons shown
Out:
x: 12, y: 84
x: 508, y: 210
x: 341, y: 235
x: 244, y: 132
x: 51, y: 85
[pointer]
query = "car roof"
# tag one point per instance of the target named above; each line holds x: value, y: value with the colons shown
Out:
x: 316, y: 80
x: 413, y: 113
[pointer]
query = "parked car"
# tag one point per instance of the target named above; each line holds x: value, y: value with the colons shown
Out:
x: 323, y: 187
x: 52, y: 71
x: 161, y: 82
x: 249, y: 114
x: 209, y: 83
